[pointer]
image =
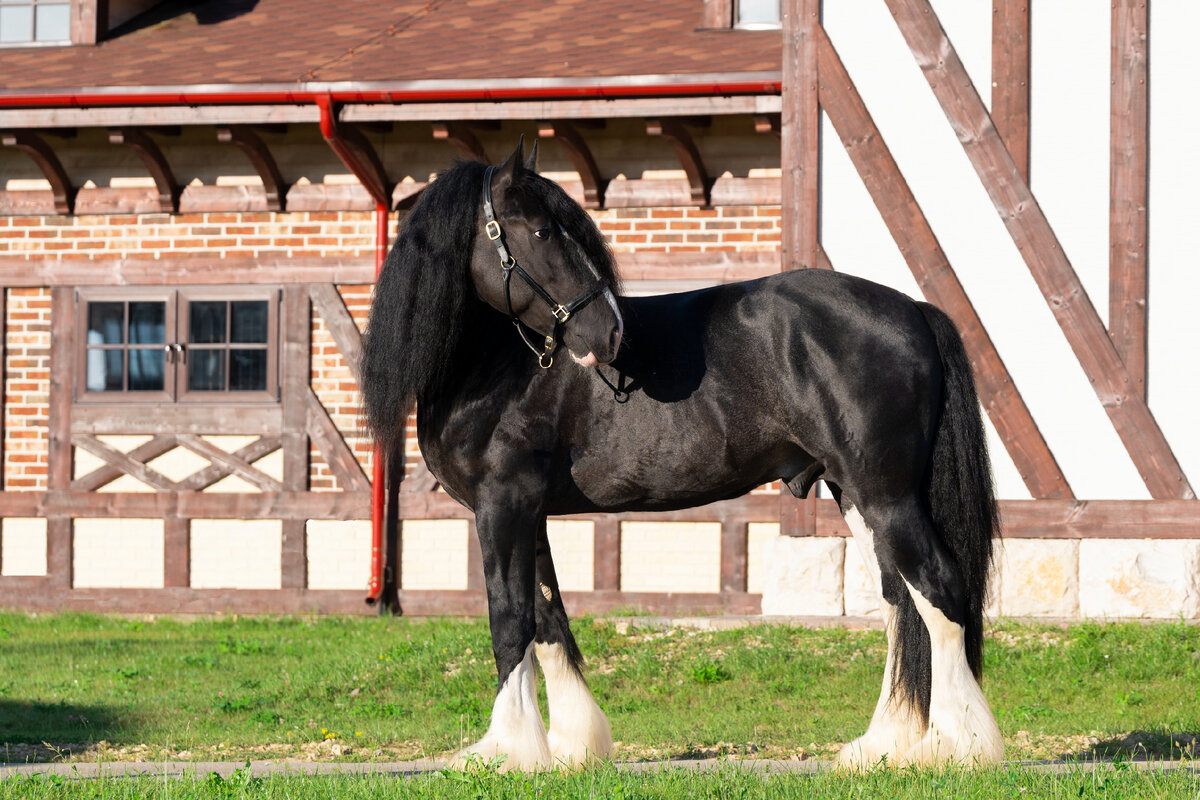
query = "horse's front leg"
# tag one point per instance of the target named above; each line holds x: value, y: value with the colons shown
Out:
x: 579, y: 731
x: 507, y: 539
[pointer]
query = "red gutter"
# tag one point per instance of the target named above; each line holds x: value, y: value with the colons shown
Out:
x: 545, y: 91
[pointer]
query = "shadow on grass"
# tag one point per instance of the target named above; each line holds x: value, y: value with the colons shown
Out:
x: 41, y: 731
x: 1141, y: 746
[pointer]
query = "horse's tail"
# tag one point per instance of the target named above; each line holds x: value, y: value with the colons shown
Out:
x: 962, y: 503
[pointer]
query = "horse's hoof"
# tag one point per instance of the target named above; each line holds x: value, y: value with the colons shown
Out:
x: 937, y: 748
x: 488, y: 754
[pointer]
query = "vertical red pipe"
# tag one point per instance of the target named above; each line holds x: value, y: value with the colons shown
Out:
x: 375, y: 584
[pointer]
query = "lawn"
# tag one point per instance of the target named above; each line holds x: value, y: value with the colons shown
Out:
x: 85, y: 686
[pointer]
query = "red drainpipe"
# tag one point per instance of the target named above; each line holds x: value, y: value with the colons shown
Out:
x: 375, y: 584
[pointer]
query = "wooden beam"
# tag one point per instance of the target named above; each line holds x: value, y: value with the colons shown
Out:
x: 681, y: 142
x: 800, y: 131
x: 229, y: 461
x: 718, y: 14
x: 295, y: 385
x: 463, y: 138
x: 337, y: 454
x: 44, y: 157
x: 1129, y: 193
x: 156, y: 164
x: 204, y: 505
x: 606, y: 554
x: 130, y: 466
x: 199, y: 481
x: 734, y: 543
x: 340, y: 324
x: 102, y: 476
x: 89, y: 21
x: 936, y: 277
x: 1010, y: 78
x: 1043, y: 254
x: 263, y: 162
x: 177, y: 551
x: 568, y: 136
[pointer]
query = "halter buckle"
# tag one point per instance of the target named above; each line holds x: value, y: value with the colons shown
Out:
x: 561, y: 314
x: 492, y: 229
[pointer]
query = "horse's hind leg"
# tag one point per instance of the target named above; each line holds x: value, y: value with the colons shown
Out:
x: 961, y: 727
x: 895, y: 726
x: 579, y: 731
x: 516, y: 732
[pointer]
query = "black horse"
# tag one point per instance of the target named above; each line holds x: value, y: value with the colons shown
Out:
x: 676, y: 401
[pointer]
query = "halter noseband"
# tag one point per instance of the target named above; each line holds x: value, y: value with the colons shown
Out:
x: 508, y: 265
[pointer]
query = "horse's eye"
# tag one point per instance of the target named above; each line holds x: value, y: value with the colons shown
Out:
x: 542, y: 233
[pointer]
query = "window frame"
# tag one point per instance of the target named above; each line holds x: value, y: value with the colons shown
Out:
x: 32, y: 5
x: 176, y: 317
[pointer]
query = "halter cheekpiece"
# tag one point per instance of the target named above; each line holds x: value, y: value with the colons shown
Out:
x: 508, y: 265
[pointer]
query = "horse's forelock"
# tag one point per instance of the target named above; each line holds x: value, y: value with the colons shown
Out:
x: 579, y: 225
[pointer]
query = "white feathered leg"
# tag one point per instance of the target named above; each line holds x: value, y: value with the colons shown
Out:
x: 579, y: 731
x: 516, y: 730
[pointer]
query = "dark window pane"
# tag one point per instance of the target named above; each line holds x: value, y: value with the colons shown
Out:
x: 146, y: 370
x: 104, y: 371
x: 206, y: 370
x: 249, y: 321
x: 147, y: 323
x: 106, y: 323
x: 206, y: 321
x: 247, y: 370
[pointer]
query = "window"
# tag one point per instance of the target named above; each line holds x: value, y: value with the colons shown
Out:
x: 185, y: 345
x: 29, y: 21
x: 757, y: 14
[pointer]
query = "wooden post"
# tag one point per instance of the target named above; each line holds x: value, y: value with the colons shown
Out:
x: 1010, y: 78
x: 59, y: 530
x: 296, y: 363
x: 734, y: 543
x: 800, y: 155
x: 606, y: 554
x: 1129, y: 195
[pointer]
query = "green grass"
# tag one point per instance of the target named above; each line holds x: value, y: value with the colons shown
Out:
x: 727, y: 782
x: 371, y: 688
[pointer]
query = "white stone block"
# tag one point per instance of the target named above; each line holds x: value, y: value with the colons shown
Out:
x: 339, y: 553
x: 861, y: 597
x: 23, y: 546
x: 118, y: 553
x: 671, y: 556
x: 1153, y: 578
x: 1038, y: 577
x: 573, y: 549
x: 433, y: 554
x: 236, y: 553
x: 804, y: 576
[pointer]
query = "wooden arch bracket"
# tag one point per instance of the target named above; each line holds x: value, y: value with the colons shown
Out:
x: 250, y: 143
x: 463, y: 138
x: 43, y: 155
x: 768, y: 124
x: 689, y: 156
x: 567, y: 135
x: 156, y: 164
x: 356, y: 152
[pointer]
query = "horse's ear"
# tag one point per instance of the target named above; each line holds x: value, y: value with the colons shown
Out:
x: 531, y: 159
x: 510, y: 169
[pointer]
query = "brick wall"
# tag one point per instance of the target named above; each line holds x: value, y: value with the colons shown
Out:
x: 26, y: 388
x: 258, y: 234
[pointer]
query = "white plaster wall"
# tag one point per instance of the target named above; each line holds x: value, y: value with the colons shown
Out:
x: 572, y: 547
x: 118, y: 553
x: 339, y: 553
x: 1069, y: 144
x: 236, y: 554
x: 758, y: 534
x: 671, y: 556
x: 434, y: 554
x: 22, y: 546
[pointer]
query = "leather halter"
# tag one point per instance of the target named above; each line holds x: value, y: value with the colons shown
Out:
x: 508, y: 265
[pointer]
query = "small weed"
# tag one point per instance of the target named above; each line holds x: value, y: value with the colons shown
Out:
x: 707, y: 671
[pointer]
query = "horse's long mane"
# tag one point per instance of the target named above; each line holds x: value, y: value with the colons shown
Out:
x: 418, y: 314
